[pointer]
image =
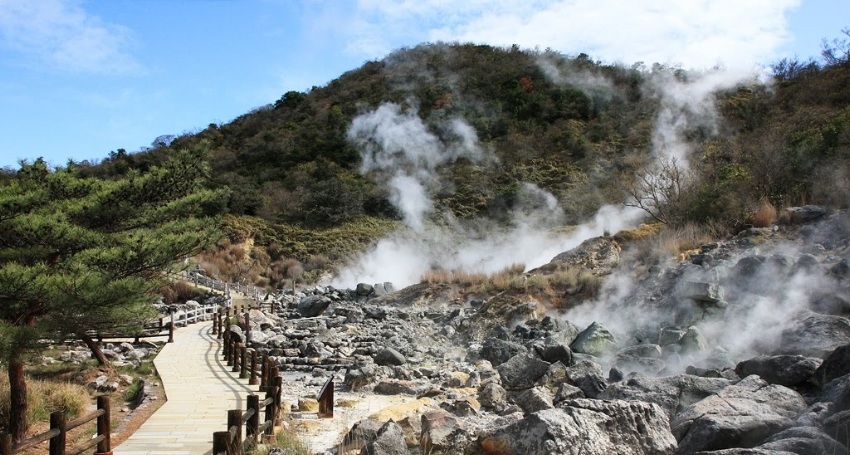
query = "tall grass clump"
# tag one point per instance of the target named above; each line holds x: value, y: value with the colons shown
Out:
x: 287, y: 439
x: 765, y: 215
x: 45, y: 397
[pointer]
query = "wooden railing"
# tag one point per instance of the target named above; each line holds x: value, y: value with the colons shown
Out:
x: 161, y: 329
x: 258, y: 370
x: 59, y: 428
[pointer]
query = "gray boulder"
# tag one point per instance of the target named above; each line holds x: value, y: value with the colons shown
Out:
x: 743, y: 451
x: 595, y: 340
x: 672, y: 393
x: 816, y: 335
x: 493, y: 396
x: 552, y: 352
x: 498, y: 351
x: 522, y: 371
x: 787, y: 370
x: 313, y: 305
x: 741, y: 415
x: 441, y: 431
x: 567, y: 392
x: 806, y: 213
x: 588, y: 377
x: 534, y: 399
x: 586, y: 427
x: 703, y: 292
x: 389, y: 441
x: 835, y: 365
x: 361, y: 433
x: 364, y: 289
x: 804, y: 440
x: 837, y: 392
x: 389, y: 357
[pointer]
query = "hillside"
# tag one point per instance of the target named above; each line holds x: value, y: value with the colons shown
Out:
x: 450, y: 135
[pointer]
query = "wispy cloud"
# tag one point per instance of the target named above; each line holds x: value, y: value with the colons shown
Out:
x: 61, y: 35
x: 694, y: 34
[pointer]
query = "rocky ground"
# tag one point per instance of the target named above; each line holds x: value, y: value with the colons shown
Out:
x: 743, y: 347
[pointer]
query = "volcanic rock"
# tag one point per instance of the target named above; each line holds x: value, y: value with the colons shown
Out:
x: 500, y: 351
x: 787, y: 370
x: 587, y: 427
x: 595, y: 340
x: 741, y: 415
x: 522, y: 371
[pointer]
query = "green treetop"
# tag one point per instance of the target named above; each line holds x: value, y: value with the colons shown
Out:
x: 82, y: 253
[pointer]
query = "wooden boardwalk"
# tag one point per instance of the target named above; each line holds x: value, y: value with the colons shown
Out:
x: 199, y: 388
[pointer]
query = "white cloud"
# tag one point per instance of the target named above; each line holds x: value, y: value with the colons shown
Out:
x: 691, y: 33
x: 63, y: 36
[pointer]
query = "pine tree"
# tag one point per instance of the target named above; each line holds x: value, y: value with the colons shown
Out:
x: 82, y: 253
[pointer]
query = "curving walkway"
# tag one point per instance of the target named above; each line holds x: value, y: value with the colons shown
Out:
x: 200, y: 389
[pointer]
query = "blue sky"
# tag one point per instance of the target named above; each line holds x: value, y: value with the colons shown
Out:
x: 79, y: 79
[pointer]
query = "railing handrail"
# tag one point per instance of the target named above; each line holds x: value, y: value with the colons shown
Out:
x: 59, y: 428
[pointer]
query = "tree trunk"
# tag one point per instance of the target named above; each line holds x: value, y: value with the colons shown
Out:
x: 94, y: 348
x: 18, y: 397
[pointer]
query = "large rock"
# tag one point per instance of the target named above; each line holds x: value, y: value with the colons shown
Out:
x: 588, y: 377
x: 703, y: 292
x: 389, y: 441
x: 672, y: 393
x: 313, y: 305
x: 805, y: 440
x: 534, y: 399
x: 806, y: 213
x: 816, y: 335
x: 586, y: 427
x: 600, y: 254
x: 787, y: 370
x: 835, y: 365
x: 499, y: 351
x: 744, y: 451
x: 837, y: 392
x: 552, y: 351
x: 741, y: 415
x: 595, y: 340
x: 441, y: 431
x: 389, y: 357
x: 522, y: 371
x: 493, y: 396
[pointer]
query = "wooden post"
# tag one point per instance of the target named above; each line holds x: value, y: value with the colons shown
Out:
x: 57, y: 443
x: 215, y: 324
x: 243, y: 365
x: 247, y: 329
x: 253, y: 380
x: 171, y: 330
x: 326, y: 400
x: 236, y: 349
x: 226, y: 347
x: 234, y: 419
x: 264, y: 376
x: 253, y: 421
x: 220, y: 318
x: 6, y: 444
x: 104, y: 426
x: 221, y: 440
x: 270, y: 393
x: 278, y: 398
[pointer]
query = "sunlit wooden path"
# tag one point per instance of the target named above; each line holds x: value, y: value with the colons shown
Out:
x: 199, y: 388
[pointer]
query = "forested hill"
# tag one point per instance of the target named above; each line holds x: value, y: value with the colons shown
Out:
x: 577, y: 128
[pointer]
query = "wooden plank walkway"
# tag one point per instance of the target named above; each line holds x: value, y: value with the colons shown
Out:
x: 199, y: 388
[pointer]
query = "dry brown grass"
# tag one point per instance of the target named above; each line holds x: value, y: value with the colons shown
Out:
x: 180, y: 292
x: 44, y: 398
x: 765, y: 215
x: 508, y: 278
x: 642, y: 232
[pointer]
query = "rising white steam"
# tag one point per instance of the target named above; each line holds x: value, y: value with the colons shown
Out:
x: 400, y: 152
